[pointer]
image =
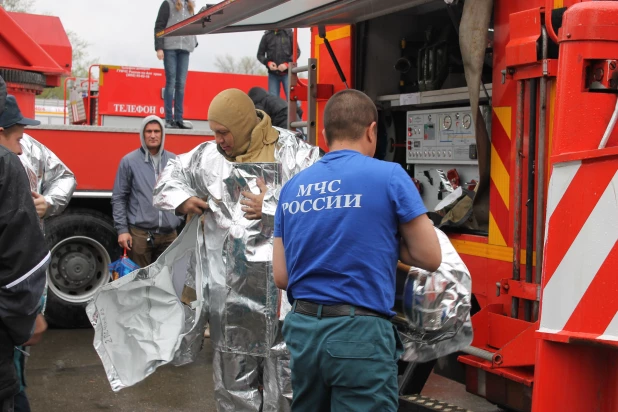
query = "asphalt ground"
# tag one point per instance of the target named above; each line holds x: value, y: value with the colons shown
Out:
x: 65, y: 374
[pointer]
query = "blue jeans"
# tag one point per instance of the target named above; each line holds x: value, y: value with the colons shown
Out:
x: 176, y: 63
x: 274, y: 84
x: 274, y: 87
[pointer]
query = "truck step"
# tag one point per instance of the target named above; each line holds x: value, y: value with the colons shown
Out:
x: 418, y: 403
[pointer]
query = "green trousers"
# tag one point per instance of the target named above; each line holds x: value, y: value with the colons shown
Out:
x: 346, y: 363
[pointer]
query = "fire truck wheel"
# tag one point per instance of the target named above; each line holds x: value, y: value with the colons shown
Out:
x: 82, y: 243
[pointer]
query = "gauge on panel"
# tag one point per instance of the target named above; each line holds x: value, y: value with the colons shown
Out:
x: 447, y: 122
x: 467, y: 121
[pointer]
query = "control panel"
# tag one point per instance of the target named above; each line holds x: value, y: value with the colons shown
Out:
x: 441, y: 150
x: 442, y: 135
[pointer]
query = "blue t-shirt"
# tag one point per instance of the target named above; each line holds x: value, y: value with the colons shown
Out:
x: 339, y: 220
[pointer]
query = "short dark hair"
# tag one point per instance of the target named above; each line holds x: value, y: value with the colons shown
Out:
x: 347, y: 114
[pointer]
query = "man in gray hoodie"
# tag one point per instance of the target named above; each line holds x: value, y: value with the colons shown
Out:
x: 144, y: 231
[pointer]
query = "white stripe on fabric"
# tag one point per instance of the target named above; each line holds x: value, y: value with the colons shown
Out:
x: 611, y: 333
x: 582, y: 261
x: 27, y: 275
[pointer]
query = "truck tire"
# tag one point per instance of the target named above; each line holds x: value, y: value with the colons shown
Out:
x: 20, y: 76
x: 83, y: 243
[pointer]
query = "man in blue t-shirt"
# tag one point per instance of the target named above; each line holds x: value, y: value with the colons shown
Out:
x: 340, y: 227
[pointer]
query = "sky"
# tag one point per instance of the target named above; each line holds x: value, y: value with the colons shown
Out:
x: 121, y: 32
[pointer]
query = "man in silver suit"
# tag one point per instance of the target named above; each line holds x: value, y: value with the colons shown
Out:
x: 233, y: 183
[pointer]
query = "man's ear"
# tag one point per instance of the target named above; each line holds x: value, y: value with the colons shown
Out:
x: 372, y: 133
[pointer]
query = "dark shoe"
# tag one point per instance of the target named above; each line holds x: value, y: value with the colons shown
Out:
x: 171, y: 125
x: 182, y: 125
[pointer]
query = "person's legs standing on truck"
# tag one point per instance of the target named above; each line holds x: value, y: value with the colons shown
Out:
x: 174, y: 51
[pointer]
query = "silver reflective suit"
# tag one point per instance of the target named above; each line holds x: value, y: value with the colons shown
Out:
x: 245, y: 307
x: 139, y: 320
x: 47, y: 174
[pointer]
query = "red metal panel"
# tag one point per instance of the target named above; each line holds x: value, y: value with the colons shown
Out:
x: 503, y: 329
x: 480, y: 322
x: 94, y: 156
x: 525, y: 28
x: 521, y: 350
x: 20, y: 51
x: 578, y: 346
x: 48, y: 32
x: 521, y: 375
x: 572, y: 96
x: 580, y: 378
x: 137, y: 91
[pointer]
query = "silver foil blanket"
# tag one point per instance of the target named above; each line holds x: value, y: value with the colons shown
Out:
x: 228, y: 259
x: 139, y: 320
x: 437, y: 307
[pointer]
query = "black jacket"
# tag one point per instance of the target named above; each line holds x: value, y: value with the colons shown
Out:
x: 274, y: 106
x: 23, y: 260
x: 161, y: 24
x: 276, y: 46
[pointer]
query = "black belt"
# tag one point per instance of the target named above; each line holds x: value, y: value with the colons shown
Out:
x: 333, y: 311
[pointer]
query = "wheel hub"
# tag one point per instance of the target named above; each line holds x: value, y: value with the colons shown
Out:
x: 77, y: 267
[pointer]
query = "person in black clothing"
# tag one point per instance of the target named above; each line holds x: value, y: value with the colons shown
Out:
x: 174, y: 51
x: 24, y: 258
x: 274, y: 106
x: 275, y: 52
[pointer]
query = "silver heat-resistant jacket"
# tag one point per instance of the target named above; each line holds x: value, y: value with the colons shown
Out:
x: 244, y: 303
x: 47, y: 174
x: 139, y: 320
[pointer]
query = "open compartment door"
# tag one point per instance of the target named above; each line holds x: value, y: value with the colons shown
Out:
x: 219, y: 16
x: 249, y: 15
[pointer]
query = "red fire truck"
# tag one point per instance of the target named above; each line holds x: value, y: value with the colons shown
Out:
x: 494, y: 97
x: 101, y: 123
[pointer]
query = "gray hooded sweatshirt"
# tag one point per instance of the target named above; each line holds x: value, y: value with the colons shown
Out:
x: 135, y: 180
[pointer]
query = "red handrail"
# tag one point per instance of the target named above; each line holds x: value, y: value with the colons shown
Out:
x: 88, y: 97
x: 65, y: 97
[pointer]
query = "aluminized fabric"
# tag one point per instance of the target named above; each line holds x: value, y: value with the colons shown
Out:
x: 244, y: 303
x: 47, y: 174
x: 238, y: 377
x: 139, y: 320
x: 437, y: 307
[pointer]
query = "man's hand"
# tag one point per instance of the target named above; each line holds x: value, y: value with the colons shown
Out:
x: 253, y: 203
x: 282, y: 67
x: 160, y: 54
x: 193, y: 205
x: 40, y: 326
x: 40, y: 204
x: 272, y: 66
x: 125, y: 241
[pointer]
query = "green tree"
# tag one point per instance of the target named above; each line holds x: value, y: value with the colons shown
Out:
x: 20, y: 6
